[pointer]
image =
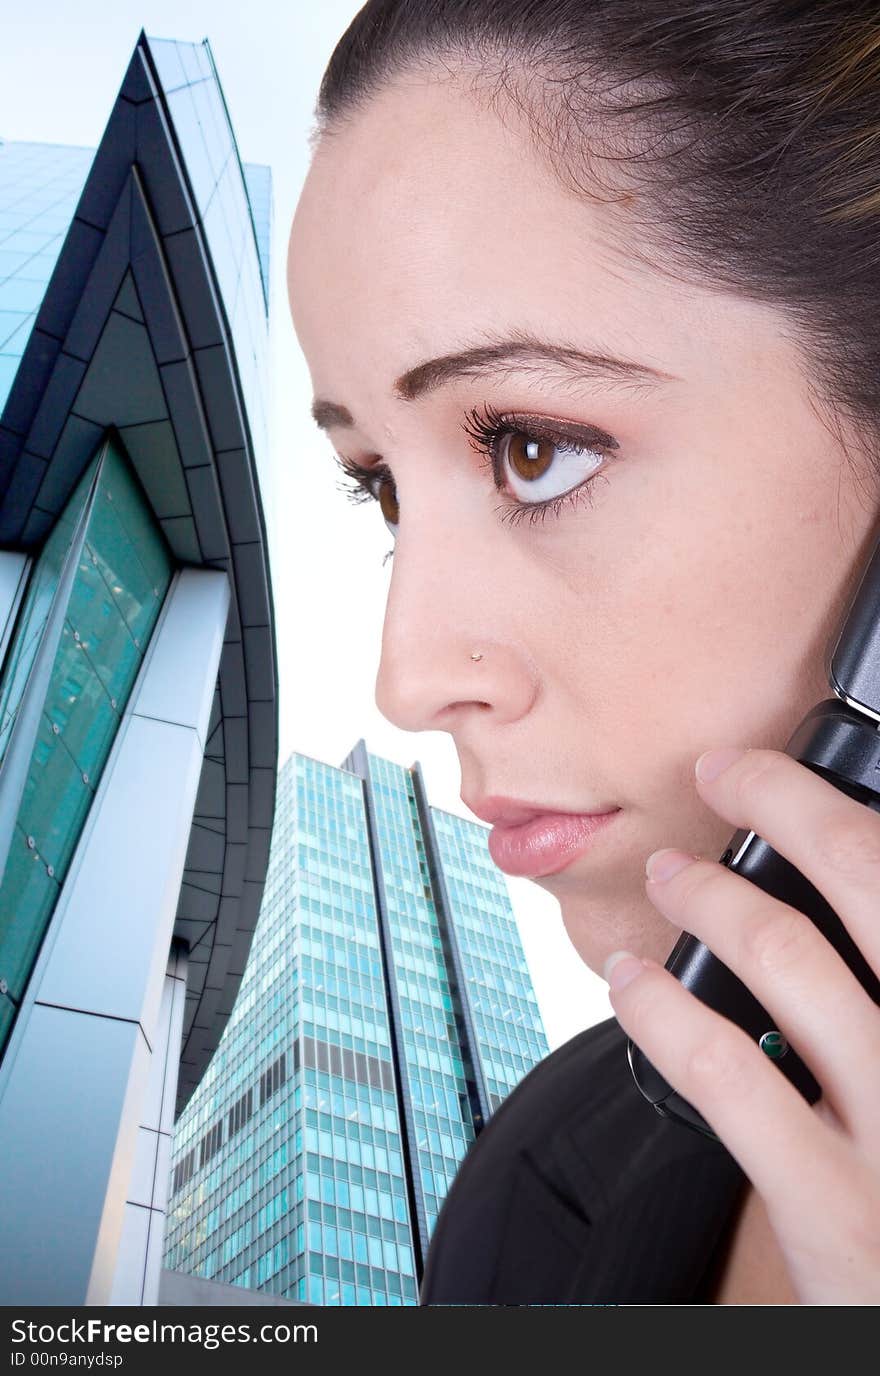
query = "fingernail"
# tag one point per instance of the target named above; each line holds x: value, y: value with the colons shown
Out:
x: 714, y: 762
x: 620, y: 968
x: 663, y: 864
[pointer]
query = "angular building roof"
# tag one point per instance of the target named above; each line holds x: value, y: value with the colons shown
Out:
x: 154, y: 323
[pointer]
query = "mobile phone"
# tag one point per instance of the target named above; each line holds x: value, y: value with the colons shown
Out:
x: 839, y: 738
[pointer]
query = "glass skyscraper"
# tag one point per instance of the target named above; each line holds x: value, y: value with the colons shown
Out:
x: 138, y: 678
x: 385, y: 1011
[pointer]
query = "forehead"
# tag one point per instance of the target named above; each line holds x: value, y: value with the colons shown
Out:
x: 429, y: 202
x: 427, y: 220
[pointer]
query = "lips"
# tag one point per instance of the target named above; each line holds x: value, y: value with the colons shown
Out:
x: 533, y: 839
x: 512, y: 812
x: 548, y: 843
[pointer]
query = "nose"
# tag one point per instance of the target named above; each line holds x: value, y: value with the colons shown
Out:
x: 449, y: 646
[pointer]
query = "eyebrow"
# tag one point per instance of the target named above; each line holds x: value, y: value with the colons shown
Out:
x: 523, y: 353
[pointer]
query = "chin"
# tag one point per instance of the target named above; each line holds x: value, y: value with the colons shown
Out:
x: 595, y: 930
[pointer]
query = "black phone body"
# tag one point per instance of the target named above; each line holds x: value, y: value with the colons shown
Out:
x: 839, y: 739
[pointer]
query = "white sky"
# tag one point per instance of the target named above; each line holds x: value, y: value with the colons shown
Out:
x: 61, y: 65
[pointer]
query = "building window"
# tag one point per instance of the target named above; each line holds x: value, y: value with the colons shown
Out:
x: 121, y: 580
x: 273, y: 1079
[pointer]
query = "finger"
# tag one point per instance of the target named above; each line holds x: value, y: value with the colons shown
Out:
x: 792, y: 1157
x: 831, y: 838
x: 809, y: 991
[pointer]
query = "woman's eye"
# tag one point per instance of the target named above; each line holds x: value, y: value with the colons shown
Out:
x: 541, y: 469
x: 536, y: 465
x: 386, y: 495
x: 544, y: 466
x: 372, y: 484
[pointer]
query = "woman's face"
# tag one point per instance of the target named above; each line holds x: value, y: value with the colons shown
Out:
x: 684, y: 600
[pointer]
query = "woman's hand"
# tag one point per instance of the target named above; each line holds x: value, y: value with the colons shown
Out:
x: 816, y: 1168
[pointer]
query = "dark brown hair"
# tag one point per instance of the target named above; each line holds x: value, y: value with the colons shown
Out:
x: 743, y: 136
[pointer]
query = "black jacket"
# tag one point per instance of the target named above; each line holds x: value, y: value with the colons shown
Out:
x: 578, y: 1192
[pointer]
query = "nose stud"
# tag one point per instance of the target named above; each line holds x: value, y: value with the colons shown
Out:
x: 477, y: 655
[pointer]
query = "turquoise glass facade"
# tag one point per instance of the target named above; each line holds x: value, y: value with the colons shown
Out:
x: 508, y: 1029
x: 430, y: 1048
x: 121, y: 580
x: 314, y: 1156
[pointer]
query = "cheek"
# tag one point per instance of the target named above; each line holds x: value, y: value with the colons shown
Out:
x: 712, y: 628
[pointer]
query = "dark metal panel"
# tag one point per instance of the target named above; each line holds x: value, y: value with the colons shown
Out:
x: 233, y: 873
x: 184, y: 404
x: 216, y: 824
x: 211, y: 795
x: 199, y: 1044
x: 10, y: 448
x: 261, y: 797
x: 217, y: 970
x: 122, y: 382
x: 241, y: 946
x: 230, y: 994
x: 19, y: 497
x: 57, y: 400
x: 207, y: 508
x: 236, y: 812
x: 76, y: 447
x: 65, y: 286
x: 232, y: 682
x: 164, y: 182
x: 180, y: 532
x: 216, y: 742
x: 233, y: 624
x: 207, y: 1008
x: 197, y: 970
x: 197, y: 903
x: 190, y: 930
x: 34, y: 370
x: 109, y: 171
x: 259, y: 659
x: 262, y: 735
x: 206, y: 849
x: 227, y: 919
x: 127, y: 300
x: 37, y: 527
x: 154, y: 286
x: 258, y: 856
x: 200, y: 952
x: 214, y: 367
x: 104, y: 281
x: 239, y: 497
x: 251, y: 580
x: 153, y: 451
x: 236, y: 755
x: 194, y: 288
x: 138, y: 84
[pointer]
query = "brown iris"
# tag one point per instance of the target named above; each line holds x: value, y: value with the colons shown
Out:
x: 388, y: 501
x: 528, y: 457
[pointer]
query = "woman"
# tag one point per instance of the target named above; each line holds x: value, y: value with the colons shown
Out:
x: 589, y: 292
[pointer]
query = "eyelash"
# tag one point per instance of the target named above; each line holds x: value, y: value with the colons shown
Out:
x: 486, y: 429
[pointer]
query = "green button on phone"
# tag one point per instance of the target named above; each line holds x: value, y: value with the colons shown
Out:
x: 774, y: 1045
